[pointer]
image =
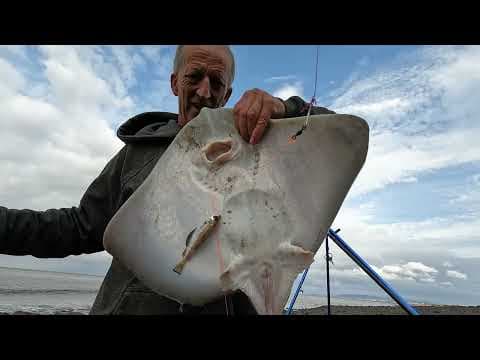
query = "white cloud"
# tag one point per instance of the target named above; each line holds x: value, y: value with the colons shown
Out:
x: 459, y: 80
x: 161, y: 57
x: 423, y: 117
x: 410, y: 271
x: 12, y: 80
x: 74, y: 82
x: 456, y: 274
x: 281, y: 78
x: 160, y: 96
x: 68, y: 126
x: 453, y: 235
x: 395, y: 158
x: 408, y: 255
x: 417, y: 126
x: 59, y: 106
x: 378, y: 108
x: 43, y: 139
x: 127, y: 61
x: 423, y: 114
x: 290, y: 89
x: 19, y: 51
x: 467, y: 195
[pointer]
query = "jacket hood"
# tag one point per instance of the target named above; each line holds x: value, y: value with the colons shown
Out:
x: 149, y: 126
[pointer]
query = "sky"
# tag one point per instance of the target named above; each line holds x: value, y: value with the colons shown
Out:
x: 412, y: 213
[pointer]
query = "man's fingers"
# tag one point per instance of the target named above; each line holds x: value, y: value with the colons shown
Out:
x: 243, y: 124
x: 253, y: 114
x: 236, y: 112
x: 240, y: 116
x: 261, y: 126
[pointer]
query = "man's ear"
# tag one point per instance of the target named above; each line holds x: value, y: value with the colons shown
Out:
x: 227, y: 96
x: 174, y: 83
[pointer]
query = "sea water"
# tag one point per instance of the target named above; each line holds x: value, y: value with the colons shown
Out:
x: 46, y: 292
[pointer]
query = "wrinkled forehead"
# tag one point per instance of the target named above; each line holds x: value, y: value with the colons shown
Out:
x: 207, y: 55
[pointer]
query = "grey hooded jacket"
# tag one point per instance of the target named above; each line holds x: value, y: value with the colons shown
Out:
x: 57, y: 233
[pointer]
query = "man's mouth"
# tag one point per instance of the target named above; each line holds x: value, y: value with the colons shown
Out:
x: 200, y: 106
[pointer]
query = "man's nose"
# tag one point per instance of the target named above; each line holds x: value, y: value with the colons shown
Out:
x: 203, y: 89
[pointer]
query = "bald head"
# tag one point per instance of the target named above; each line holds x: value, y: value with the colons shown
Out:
x: 180, y: 57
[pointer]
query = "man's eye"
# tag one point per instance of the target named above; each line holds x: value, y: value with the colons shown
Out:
x: 194, y: 76
x: 217, y: 83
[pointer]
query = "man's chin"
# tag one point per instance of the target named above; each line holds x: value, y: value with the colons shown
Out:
x: 193, y: 113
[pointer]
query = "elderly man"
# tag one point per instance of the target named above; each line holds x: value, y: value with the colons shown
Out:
x: 202, y: 76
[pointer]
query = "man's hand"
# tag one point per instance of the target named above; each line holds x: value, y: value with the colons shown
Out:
x: 253, y: 112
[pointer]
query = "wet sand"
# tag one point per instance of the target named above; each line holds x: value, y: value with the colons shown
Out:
x: 349, y: 310
x: 32, y: 313
x: 391, y: 310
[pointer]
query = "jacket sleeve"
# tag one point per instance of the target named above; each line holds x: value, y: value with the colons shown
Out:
x: 57, y: 233
x: 295, y: 107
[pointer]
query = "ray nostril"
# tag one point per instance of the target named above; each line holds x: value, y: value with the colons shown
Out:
x: 218, y: 151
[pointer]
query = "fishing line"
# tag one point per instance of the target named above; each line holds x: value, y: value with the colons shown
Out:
x: 312, y: 102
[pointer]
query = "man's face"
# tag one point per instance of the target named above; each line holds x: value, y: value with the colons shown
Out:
x: 202, y: 80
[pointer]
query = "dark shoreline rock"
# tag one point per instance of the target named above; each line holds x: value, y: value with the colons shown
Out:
x: 391, y: 310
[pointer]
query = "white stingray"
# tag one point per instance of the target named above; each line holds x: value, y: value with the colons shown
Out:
x: 276, y: 202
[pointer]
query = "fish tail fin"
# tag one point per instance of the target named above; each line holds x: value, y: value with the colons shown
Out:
x: 179, y: 267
